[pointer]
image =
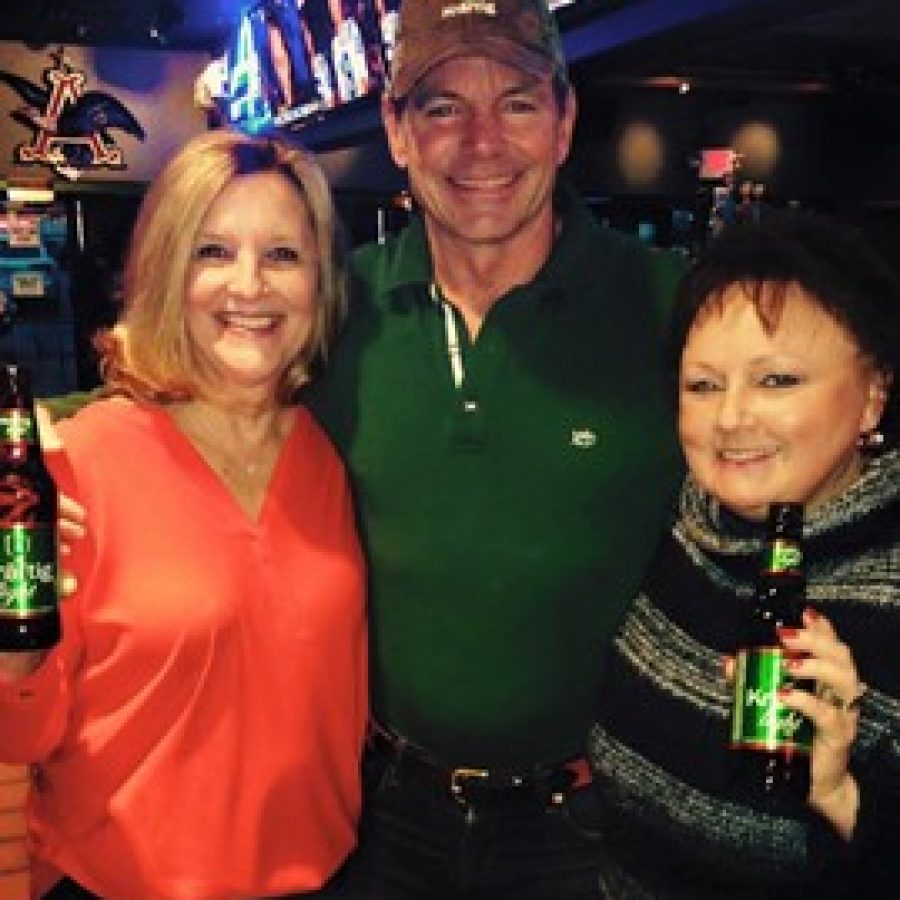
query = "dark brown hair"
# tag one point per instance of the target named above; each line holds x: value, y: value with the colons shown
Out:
x: 834, y: 265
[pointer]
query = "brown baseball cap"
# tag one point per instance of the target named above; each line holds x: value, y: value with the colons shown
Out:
x: 521, y: 33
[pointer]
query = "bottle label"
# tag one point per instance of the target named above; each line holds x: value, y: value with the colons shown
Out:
x: 16, y: 427
x: 759, y: 721
x: 27, y: 571
x: 782, y: 556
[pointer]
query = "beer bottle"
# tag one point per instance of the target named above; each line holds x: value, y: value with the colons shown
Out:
x: 29, y: 614
x: 771, y: 743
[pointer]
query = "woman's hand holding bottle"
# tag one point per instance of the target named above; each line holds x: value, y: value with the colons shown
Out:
x: 821, y: 657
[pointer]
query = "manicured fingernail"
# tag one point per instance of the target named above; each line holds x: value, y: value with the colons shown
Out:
x: 793, y: 662
x: 788, y: 634
x: 810, y: 615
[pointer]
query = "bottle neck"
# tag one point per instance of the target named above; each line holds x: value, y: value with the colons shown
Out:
x: 783, y: 556
x: 18, y: 434
x: 783, y: 552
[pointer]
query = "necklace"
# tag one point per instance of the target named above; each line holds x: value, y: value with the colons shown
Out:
x: 234, y: 466
x: 243, y: 466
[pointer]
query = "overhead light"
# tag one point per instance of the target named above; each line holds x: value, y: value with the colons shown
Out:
x: 684, y: 87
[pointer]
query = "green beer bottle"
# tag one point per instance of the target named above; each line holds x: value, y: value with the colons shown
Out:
x: 29, y: 614
x: 771, y: 743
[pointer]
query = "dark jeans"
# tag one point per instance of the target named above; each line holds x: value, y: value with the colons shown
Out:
x: 418, y: 843
x: 68, y: 890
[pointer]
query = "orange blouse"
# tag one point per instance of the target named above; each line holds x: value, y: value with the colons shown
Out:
x: 197, y: 732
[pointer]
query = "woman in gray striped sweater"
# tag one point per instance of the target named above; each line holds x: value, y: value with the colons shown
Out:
x: 785, y: 343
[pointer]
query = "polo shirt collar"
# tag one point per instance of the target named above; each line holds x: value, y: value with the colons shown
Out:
x: 576, y: 246
x: 411, y: 263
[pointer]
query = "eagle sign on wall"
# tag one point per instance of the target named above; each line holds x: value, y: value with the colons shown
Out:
x: 70, y: 127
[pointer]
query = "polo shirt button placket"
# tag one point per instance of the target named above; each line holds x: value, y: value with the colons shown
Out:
x: 469, y: 425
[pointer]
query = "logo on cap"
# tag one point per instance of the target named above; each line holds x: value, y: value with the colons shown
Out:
x: 469, y: 7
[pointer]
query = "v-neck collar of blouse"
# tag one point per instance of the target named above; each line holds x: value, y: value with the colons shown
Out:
x: 198, y: 469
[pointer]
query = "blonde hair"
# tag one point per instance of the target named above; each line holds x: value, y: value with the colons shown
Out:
x: 148, y: 354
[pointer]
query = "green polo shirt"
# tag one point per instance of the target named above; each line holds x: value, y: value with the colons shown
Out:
x: 508, y: 521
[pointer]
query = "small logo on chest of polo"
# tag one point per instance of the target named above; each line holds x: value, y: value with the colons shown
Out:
x: 583, y: 438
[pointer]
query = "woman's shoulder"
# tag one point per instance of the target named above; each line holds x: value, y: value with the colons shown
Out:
x: 316, y: 447
x: 105, y: 423
x: 307, y: 430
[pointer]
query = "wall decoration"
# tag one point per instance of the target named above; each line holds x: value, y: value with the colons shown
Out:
x: 71, y: 127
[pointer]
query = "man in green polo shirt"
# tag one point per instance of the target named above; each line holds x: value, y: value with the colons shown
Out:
x: 498, y: 398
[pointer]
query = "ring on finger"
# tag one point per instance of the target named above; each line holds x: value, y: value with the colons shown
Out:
x: 831, y: 696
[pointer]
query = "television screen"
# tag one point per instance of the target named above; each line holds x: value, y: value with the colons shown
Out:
x: 292, y: 59
x: 299, y: 63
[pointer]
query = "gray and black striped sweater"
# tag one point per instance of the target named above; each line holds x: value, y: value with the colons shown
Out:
x: 674, y: 828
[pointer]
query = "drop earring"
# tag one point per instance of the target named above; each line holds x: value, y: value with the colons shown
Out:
x: 870, y: 440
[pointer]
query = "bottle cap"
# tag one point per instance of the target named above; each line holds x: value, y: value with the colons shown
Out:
x: 786, y: 517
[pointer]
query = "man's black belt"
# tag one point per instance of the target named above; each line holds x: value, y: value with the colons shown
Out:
x: 468, y: 785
